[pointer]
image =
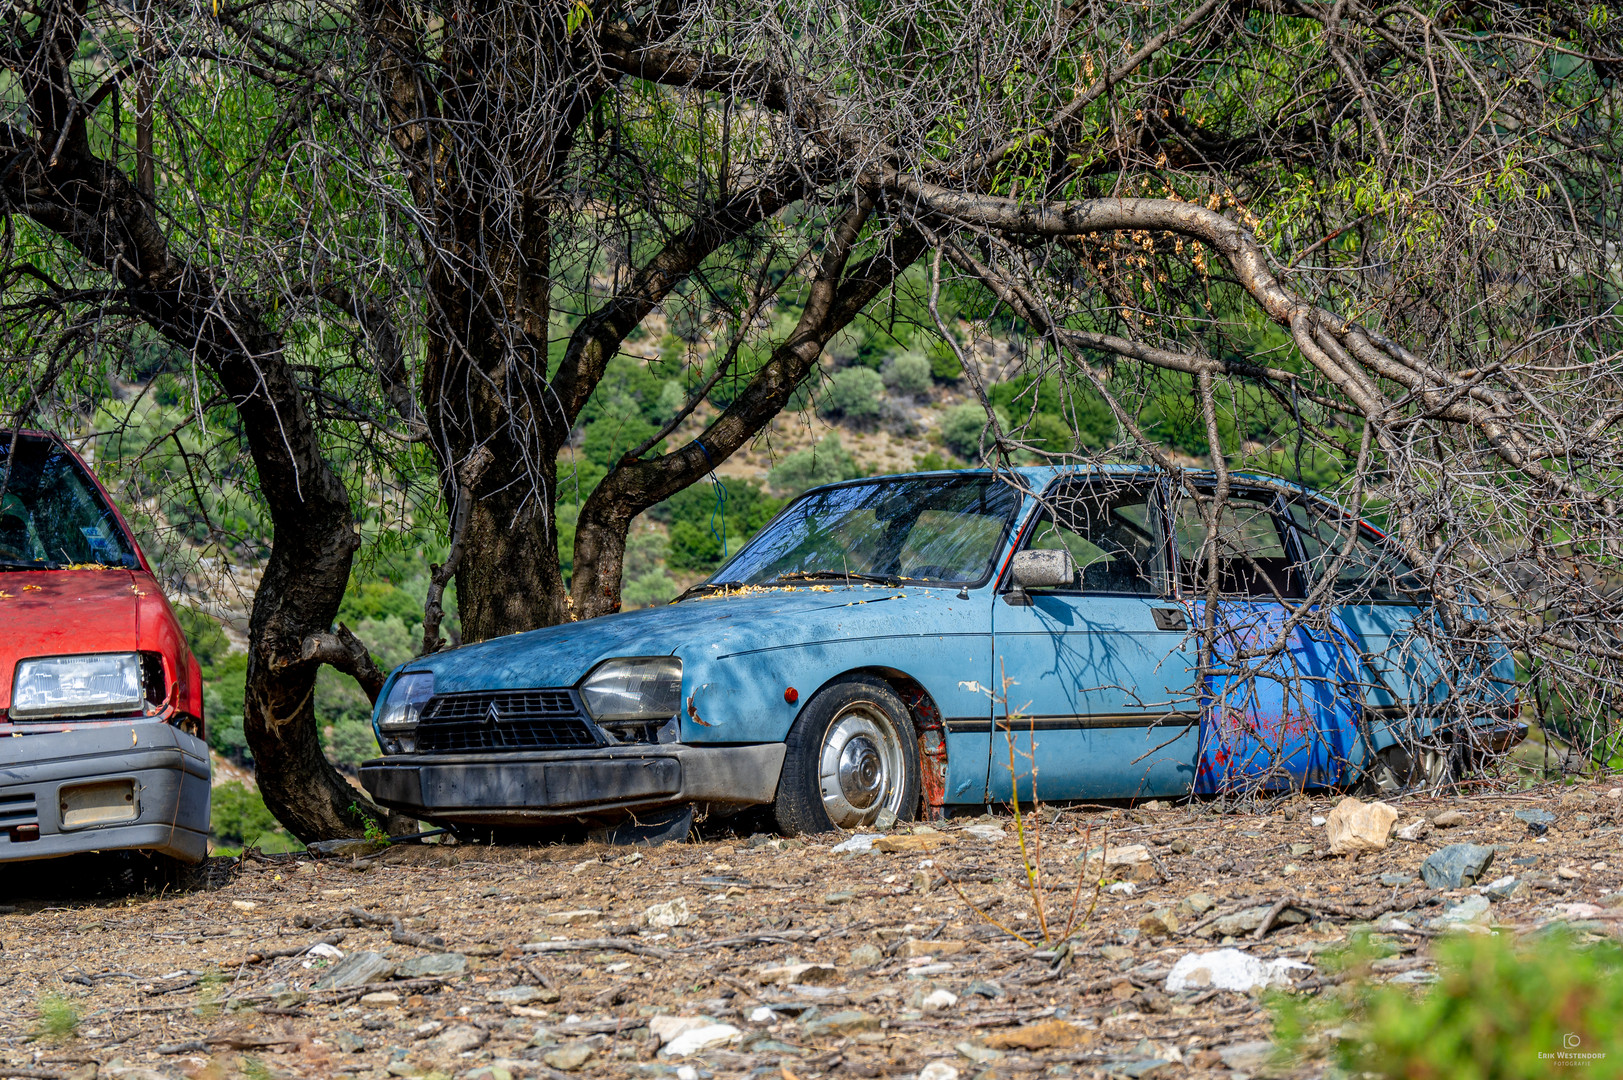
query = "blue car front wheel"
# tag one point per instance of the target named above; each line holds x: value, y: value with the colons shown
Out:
x: 852, y: 757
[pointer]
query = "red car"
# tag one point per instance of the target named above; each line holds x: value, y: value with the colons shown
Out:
x: 101, y: 706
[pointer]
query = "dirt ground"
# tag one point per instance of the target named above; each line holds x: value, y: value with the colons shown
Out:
x: 494, y: 962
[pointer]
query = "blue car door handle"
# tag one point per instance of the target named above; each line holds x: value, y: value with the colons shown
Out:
x: 1169, y: 618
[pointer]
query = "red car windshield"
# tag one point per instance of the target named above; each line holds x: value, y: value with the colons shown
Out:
x: 51, y: 514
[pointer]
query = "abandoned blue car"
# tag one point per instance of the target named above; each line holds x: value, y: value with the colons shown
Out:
x: 903, y: 645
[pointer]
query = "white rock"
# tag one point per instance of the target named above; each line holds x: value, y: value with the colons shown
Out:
x: 666, y: 1028
x: 1130, y: 862
x: 794, y: 974
x: 1317, y: 821
x: 1357, y: 826
x: 1414, y: 830
x: 687, y: 1072
x: 984, y: 831
x: 670, y: 913
x: 762, y: 1015
x: 703, y: 1038
x: 938, y: 1070
x: 1126, y: 888
x: 860, y: 843
x: 1229, y: 969
x: 321, y: 948
x: 936, y: 1000
x: 570, y: 918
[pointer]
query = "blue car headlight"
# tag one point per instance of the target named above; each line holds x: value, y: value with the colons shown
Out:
x: 402, y: 709
x: 640, y: 689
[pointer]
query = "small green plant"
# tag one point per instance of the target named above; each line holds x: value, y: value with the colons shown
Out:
x: 1030, y: 838
x: 1500, y: 1008
x: 58, y: 1018
x: 374, y: 829
x: 254, y: 1069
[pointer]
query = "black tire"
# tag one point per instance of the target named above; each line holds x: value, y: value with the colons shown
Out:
x: 852, y: 753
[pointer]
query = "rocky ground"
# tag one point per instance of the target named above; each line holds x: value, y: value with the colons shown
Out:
x: 923, y: 955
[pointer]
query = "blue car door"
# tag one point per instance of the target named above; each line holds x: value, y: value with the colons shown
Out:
x: 1097, y: 679
x: 1423, y: 681
x: 1284, y: 686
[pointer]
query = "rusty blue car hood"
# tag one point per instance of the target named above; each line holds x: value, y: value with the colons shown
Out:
x: 721, y: 624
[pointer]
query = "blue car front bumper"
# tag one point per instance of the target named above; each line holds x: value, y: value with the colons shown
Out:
x: 531, y: 788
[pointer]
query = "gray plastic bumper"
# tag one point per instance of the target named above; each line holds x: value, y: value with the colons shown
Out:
x: 518, y: 788
x: 106, y: 787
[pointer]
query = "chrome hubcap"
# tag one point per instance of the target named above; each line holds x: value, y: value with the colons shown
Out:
x: 860, y: 767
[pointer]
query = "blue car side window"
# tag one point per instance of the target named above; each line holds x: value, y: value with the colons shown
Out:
x: 1111, y: 535
x: 1366, y: 570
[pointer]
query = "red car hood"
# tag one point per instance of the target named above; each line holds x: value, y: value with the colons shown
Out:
x: 61, y: 612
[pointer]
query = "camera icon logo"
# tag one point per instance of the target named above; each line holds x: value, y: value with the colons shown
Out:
x: 1570, y: 1041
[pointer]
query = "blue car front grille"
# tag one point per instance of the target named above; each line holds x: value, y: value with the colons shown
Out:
x: 505, y: 720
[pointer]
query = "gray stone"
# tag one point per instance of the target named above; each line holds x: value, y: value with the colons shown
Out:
x: 1473, y: 909
x: 864, y: 956
x: 1503, y: 889
x: 514, y: 995
x: 455, y: 1040
x: 569, y: 1057
x: 845, y: 1022
x: 1147, y: 1069
x: 1612, y: 900
x: 1198, y: 903
x: 1298, y: 850
x: 1243, y: 922
x: 1246, y: 1057
x: 1456, y: 866
x: 1449, y: 819
x: 985, y: 989
x: 1396, y: 880
x: 357, y: 969
x: 434, y: 965
x: 1536, y: 817
x: 980, y: 1055
x: 834, y: 898
x: 349, y: 1042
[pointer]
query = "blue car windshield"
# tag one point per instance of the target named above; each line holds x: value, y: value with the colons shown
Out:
x: 932, y: 530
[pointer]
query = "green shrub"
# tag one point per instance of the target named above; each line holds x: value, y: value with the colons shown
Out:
x: 907, y: 373
x: 58, y: 1018
x: 856, y: 393
x: 962, y: 427
x: 697, y: 522
x: 826, y: 463
x: 203, y: 634
x: 1496, y: 1008
x: 377, y: 600
x: 646, y: 590
x: 239, y: 818
x: 607, y: 440
x: 224, y: 686
x: 351, y: 741
x: 944, y: 365
x: 933, y: 461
